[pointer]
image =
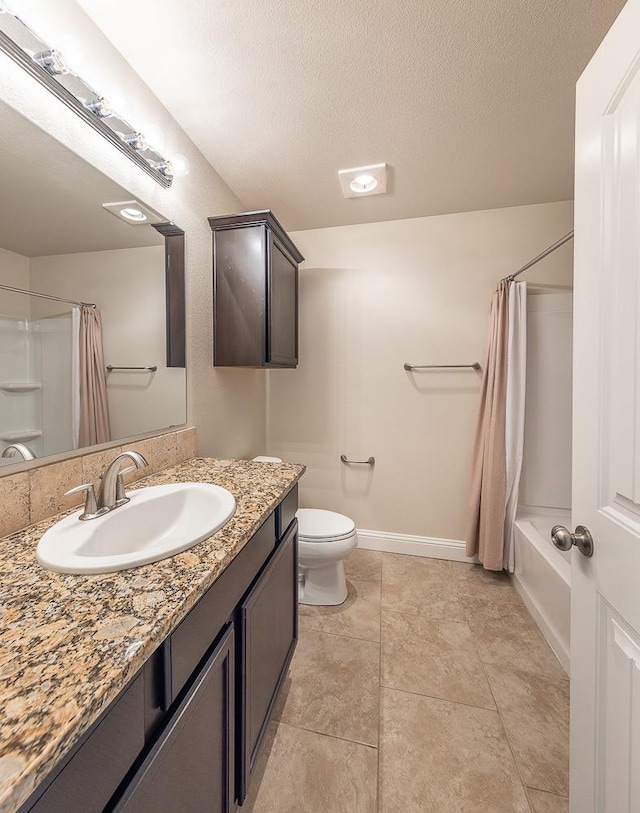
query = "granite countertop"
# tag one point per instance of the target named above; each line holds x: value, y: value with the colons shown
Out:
x: 69, y: 644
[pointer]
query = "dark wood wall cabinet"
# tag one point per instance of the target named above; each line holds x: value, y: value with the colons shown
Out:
x: 255, y: 292
x: 184, y: 735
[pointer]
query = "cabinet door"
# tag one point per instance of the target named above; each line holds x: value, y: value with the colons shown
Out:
x: 239, y: 282
x: 282, y: 312
x: 268, y: 633
x: 90, y: 778
x: 191, y: 767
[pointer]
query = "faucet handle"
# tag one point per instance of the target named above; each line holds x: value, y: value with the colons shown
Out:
x: 90, y: 504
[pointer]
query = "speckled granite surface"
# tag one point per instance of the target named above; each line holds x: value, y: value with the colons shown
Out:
x: 69, y: 644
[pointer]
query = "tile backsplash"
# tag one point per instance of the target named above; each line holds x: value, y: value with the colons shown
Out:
x: 31, y: 496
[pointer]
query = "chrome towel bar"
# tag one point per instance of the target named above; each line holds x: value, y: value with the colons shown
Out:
x: 411, y: 367
x: 369, y: 462
x: 110, y: 368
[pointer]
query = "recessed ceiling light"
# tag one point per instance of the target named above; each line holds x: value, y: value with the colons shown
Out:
x: 361, y: 181
x: 133, y: 212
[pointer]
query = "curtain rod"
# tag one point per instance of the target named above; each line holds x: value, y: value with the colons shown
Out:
x: 46, y: 296
x: 568, y: 236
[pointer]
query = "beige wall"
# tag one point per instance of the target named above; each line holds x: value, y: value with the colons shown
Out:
x: 14, y: 271
x: 228, y: 408
x: 128, y: 286
x: 372, y: 297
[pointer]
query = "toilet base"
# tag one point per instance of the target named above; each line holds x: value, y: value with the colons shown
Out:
x: 322, y: 586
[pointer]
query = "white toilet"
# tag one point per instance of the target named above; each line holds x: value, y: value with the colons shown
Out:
x: 325, y: 539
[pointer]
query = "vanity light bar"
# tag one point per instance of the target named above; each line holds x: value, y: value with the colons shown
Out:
x: 48, y: 66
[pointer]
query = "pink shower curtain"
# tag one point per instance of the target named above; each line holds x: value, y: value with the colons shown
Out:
x: 485, y: 536
x: 94, y: 410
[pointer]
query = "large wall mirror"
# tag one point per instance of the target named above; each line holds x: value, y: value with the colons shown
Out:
x: 57, y: 239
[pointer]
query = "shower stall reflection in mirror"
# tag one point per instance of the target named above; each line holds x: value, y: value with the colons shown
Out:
x: 543, y: 573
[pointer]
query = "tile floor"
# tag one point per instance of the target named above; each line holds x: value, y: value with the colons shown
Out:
x: 431, y: 689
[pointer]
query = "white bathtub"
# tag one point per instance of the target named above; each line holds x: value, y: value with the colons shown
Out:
x: 543, y: 575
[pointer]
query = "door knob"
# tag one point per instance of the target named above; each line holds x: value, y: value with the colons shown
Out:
x: 563, y: 539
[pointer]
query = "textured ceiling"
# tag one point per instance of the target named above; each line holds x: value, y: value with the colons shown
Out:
x: 470, y: 102
x: 51, y: 200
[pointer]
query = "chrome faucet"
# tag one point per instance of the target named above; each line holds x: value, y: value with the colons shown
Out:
x: 21, y: 449
x: 111, y: 493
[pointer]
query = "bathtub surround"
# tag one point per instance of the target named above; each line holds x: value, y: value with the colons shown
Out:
x: 543, y: 573
x: 31, y: 496
x: 372, y: 297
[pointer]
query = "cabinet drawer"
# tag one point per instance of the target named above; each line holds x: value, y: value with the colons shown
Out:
x: 186, y: 647
x: 190, y: 768
x: 286, y: 512
x: 268, y: 629
x: 92, y: 775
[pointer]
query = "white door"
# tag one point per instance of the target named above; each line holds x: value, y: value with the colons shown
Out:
x: 605, y: 603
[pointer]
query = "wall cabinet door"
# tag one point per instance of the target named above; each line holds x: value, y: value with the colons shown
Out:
x: 282, y: 325
x: 268, y: 629
x: 191, y: 767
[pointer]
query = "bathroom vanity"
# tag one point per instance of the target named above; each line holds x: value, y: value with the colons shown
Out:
x: 161, y: 701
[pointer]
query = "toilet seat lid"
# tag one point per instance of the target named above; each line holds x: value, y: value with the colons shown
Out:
x: 318, y: 524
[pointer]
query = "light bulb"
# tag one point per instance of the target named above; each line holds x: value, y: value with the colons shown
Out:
x: 100, y: 107
x: 133, y: 214
x: 135, y: 140
x: 164, y: 167
x: 52, y: 61
x: 363, y: 183
x: 180, y: 165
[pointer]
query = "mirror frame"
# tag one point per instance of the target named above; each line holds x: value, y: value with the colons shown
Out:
x: 175, y: 293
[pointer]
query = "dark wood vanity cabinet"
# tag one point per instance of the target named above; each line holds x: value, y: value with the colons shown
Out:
x: 255, y: 292
x: 184, y: 735
x: 190, y: 768
x: 268, y: 632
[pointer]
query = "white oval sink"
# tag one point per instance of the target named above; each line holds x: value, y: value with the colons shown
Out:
x: 158, y: 522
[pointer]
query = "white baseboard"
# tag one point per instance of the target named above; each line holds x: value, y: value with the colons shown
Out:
x: 453, y: 549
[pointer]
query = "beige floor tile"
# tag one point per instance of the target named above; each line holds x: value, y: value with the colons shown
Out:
x: 535, y: 712
x: 303, y: 772
x: 433, y: 657
x: 333, y: 687
x: 547, y: 802
x: 474, y: 580
x: 420, y: 586
x: 358, y: 617
x: 363, y: 565
x: 440, y: 757
x: 505, y: 635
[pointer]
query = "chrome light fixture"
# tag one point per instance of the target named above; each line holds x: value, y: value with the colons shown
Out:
x: 49, y: 67
x: 52, y: 61
x: 100, y: 107
x: 135, y: 140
